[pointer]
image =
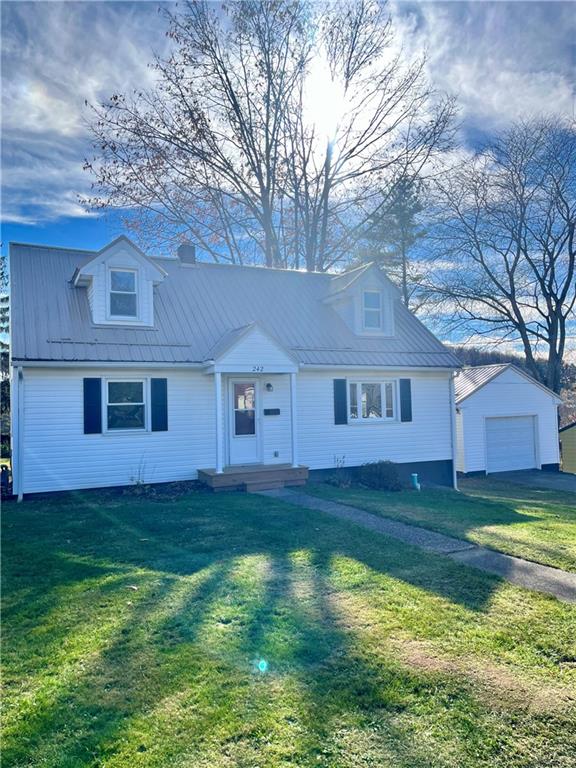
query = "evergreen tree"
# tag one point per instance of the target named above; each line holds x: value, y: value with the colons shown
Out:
x: 395, y: 229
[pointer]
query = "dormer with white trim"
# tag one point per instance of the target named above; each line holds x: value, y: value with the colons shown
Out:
x: 120, y: 282
x: 364, y: 298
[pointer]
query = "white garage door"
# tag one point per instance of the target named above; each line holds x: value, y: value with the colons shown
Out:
x: 510, y: 443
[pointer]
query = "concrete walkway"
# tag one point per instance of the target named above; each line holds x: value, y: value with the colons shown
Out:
x: 523, y: 573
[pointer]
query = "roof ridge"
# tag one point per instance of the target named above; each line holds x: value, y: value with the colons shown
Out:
x: 52, y: 247
x: 263, y: 268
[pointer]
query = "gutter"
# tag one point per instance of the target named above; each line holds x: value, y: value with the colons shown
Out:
x: 453, y: 431
x: 371, y: 366
x: 101, y: 364
x: 17, y: 434
x: 208, y: 363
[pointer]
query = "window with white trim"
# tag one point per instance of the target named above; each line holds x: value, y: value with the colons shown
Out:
x: 126, y: 404
x: 123, y: 293
x: 371, y: 400
x: 372, y: 310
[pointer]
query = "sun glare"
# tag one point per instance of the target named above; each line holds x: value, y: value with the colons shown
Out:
x: 324, y: 100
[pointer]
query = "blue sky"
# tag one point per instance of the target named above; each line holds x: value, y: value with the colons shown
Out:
x: 501, y: 59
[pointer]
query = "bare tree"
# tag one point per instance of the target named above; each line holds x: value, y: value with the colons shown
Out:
x: 507, y: 268
x: 228, y: 149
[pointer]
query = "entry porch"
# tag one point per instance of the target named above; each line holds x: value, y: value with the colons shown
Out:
x: 253, y: 477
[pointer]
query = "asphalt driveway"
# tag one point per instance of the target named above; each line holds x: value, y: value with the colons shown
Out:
x: 535, y: 478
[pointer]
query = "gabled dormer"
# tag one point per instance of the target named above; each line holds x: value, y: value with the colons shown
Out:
x: 120, y: 282
x: 364, y: 298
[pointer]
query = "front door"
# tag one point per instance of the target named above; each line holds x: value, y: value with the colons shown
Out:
x: 243, y: 423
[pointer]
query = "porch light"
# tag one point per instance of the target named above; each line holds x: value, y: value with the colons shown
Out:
x: 269, y: 387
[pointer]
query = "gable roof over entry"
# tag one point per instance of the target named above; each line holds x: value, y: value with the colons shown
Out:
x: 250, y: 349
x: 195, y: 307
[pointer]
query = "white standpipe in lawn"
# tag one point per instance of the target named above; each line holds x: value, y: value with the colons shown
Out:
x: 415, y: 483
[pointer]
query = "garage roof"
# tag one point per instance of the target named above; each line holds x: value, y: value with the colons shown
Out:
x: 470, y: 380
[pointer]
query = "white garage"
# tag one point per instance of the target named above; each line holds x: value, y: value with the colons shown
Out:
x: 505, y: 421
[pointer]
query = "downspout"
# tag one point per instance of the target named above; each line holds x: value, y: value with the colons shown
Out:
x: 453, y: 431
x: 18, y: 432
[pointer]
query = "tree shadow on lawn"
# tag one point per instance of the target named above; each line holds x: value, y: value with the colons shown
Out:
x: 502, y: 518
x: 220, y: 590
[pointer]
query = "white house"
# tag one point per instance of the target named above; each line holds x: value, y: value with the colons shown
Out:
x: 134, y: 369
x: 505, y: 420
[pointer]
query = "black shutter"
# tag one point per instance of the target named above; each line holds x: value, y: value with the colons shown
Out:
x: 405, y: 400
x: 159, y: 408
x: 92, y: 406
x: 340, y: 402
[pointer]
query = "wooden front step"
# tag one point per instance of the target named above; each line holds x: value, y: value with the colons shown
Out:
x: 253, y: 477
x: 263, y: 485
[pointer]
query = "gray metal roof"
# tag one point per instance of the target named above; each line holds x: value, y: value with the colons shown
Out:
x: 197, y: 308
x: 469, y: 380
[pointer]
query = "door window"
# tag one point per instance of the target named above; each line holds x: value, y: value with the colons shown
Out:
x: 244, y: 408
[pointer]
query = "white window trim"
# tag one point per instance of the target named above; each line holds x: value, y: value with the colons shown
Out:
x: 123, y: 318
x: 382, y: 382
x: 146, y: 395
x: 372, y: 329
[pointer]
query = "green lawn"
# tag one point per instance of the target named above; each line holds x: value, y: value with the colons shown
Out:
x: 538, y: 525
x: 233, y: 631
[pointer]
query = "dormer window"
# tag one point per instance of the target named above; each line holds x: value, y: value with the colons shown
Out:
x: 372, y: 310
x: 123, y: 293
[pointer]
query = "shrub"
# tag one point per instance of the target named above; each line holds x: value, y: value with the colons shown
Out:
x: 381, y: 475
x: 340, y: 479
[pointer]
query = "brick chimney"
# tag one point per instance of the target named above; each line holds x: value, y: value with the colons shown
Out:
x: 187, y: 253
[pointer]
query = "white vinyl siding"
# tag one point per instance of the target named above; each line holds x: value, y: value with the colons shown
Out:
x: 59, y: 456
x: 322, y: 443
x: 276, y: 435
x: 255, y: 353
x: 509, y: 394
x: 460, y: 458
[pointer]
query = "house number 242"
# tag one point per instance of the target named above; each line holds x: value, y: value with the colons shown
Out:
x: 257, y: 368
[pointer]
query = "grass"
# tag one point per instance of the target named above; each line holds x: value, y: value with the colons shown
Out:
x: 236, y: 631
x: 538, y: 525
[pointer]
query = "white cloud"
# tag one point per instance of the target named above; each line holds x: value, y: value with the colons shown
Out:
x: 56, y: 56
x: 502, y: 60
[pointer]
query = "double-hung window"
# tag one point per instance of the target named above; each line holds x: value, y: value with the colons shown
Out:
x: 123, y: 294
x: 126, y: 405
x: 372, y: 310
x: 371, y: 400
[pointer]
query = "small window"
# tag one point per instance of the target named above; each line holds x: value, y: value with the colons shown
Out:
x: 372, y: 310
x: 370, y: 401
x: 125, y: 405
x: 123, y: 296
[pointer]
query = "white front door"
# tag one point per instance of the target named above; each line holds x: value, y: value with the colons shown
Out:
x: 243, y: 421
